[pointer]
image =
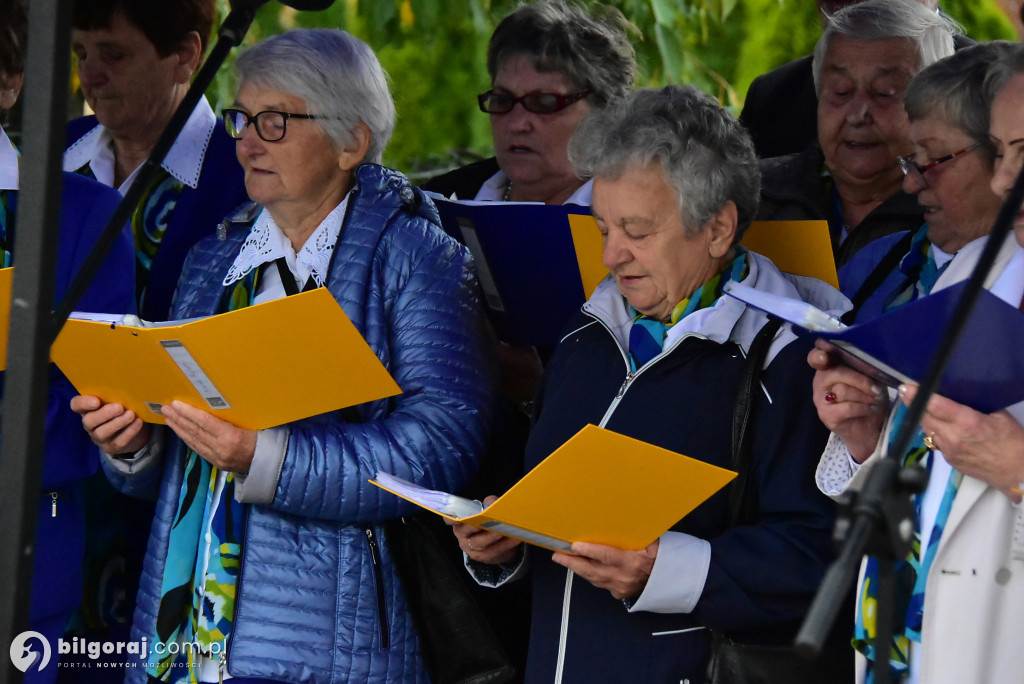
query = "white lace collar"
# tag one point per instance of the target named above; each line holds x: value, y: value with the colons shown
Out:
x: 184, y: 160
x: 493, y: 190
x: 8, y: 163
x: 267, y: 242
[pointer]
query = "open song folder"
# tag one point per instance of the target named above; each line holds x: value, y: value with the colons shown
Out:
x: 599, y: 487
x: 985, y: 372
x: 257, y: 367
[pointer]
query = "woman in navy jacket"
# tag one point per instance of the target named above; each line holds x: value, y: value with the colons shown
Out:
x: 657, y: 354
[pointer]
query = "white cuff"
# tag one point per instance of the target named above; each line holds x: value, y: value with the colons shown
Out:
x: 141, y: 460
x: 836, y: 467
x: 259, y: 485
x: 497, y: 575
x: 678, y: 577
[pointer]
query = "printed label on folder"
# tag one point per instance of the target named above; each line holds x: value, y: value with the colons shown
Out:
x: 200, y: 380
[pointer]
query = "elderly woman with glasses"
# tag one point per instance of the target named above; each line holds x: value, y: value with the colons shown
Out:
x: 658, y: 353
x: 267, y: 554
x: 962, y: 586
x: 550, y: 63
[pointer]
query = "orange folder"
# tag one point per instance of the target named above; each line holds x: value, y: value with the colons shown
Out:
x: 599, y: 486
x: 6, y: 280
x: 799, y: 247
x: 257, y: 367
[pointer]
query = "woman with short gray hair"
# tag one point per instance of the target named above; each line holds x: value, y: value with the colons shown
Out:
x: 862, y: 64
x: 268, y: 551
x: 657, y: 353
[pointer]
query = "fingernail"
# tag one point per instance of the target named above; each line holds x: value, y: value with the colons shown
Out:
x: 876, y: 390
x: 902, y: 390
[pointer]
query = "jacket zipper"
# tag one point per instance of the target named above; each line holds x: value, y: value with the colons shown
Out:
x: 631, y: 375
x: 378, y: 581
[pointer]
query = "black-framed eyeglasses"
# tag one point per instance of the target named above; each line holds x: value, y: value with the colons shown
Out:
x: 538, y: 103
x: 270, y: 125
x: 917, y: 171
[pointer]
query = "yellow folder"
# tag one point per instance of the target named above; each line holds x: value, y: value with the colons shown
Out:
x: 599, y: 487
x: 257, y: 367
x: 6, y: 278
x: 800, y: 247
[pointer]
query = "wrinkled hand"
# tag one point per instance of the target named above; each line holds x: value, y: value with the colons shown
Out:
x: 987, y: 447
x: 623, y: 573
x: 112, y: 428
x: 220, y: 443
x: 849, y: 403
x: 483, y: 546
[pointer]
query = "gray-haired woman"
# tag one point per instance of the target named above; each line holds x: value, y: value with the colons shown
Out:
x: 862, y: 65
x: 266, y: 556
x: 550, y: 63
x: 657, y: 353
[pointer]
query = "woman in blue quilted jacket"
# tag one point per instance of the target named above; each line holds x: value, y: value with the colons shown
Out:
x: 267, y: 559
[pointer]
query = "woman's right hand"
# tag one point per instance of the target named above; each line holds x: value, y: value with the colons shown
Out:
x: 483, y: 546
x: 111, y: 427
x: 849, y: 403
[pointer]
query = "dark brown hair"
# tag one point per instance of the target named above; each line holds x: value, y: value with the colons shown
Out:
x: 165, y: 24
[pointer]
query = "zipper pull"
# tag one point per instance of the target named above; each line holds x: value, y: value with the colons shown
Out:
x: 53, y: 504
x: 625, y: 384
x: 222, y: 660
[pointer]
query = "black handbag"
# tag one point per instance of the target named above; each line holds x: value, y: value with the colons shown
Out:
x: 458, y: 643
x: 731, y: 662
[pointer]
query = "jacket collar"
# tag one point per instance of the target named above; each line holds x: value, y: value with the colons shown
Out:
x: 184, y: 160
x: 728, y: 319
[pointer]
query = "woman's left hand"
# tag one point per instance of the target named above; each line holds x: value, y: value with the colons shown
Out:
x: 623, y: 573
x: 222, y: 444
x: 987, y: 447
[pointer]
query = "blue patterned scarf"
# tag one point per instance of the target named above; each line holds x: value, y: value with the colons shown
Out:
x: 198, y: 591
x: 920, y: 270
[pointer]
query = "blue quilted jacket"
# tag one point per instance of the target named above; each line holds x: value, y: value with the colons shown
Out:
x: 318, y: 599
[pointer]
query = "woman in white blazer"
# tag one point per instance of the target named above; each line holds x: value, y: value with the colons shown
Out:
x: 973, y: 607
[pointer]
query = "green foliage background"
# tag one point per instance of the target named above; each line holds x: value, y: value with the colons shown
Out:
x: 434, y: 52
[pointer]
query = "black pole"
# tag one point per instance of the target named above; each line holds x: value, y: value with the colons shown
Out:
x: 873, y: 516
x: 26, y: 379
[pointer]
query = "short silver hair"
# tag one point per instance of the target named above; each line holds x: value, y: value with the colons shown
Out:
x: 1007, y: 65
x: 931, y: 32
x: 336, y: 74
x: 705, y: 153
x: 591, y: 49
x: 953, y: 90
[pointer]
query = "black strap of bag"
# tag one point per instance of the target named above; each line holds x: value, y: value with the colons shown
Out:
x: 742, y: 435
x: 731, y: 662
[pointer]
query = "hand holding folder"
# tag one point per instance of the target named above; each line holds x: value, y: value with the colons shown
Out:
x: 599, y: 487
x: 257, y: 367
x: 986, y: 371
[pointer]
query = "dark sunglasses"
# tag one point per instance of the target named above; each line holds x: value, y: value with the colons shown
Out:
x: 538, y: 103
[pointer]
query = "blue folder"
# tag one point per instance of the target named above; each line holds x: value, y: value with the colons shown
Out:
x: 526, y: 263
x: 985, y: 371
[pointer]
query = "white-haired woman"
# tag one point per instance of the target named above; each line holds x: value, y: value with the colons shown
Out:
x: 658, y: 353
x: 267, y: 547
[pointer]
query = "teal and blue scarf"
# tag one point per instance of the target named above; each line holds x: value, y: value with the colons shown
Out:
x: 647, y: 335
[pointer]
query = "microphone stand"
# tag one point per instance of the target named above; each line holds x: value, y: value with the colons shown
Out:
x: 881, y: 518
x: 230, y: 35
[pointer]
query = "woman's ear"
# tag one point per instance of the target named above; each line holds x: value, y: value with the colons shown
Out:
x: 11, y: 91
x: 355, y: 153
x: 722, y: 230
x: 188, y: 55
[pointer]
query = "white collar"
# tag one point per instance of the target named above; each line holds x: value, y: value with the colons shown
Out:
x: 493, y: 190
x: 8, y: 163
x: 184, y: 160
x: 266, y: 242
